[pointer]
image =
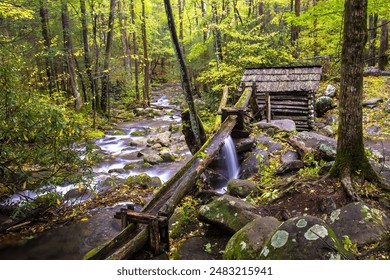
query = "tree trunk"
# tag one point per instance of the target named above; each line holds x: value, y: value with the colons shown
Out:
x: 185, y: 78
x: 44, y: 14
x: 203, y: 7
x: 217, y: 33
x: 124, y: 37
x: 146, y: 58
x: 383, y: 59
x: 261, y: 15
x: 87, y: 57
x: 351, y: 159
x: 70, y: 63
x: 180, y: 7
x: 105, y: 100
x: 373, y: 22
x: 135, y: 51
x: 295, y: 29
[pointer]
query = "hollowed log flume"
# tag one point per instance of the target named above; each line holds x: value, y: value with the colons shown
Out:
x: 135, y: 237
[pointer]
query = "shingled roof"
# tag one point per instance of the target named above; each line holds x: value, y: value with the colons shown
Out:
x: 284, y: 79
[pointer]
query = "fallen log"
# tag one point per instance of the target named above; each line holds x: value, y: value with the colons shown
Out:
x: 136, y: 236
x: 375, y: 72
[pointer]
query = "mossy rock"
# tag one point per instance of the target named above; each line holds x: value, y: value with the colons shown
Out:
x: 141, y: 180
x: 362, y: 223
x: 138, y: 133
x: 242, y: 188
x: 304, y: 238
x: 118, y: 132
x: 228, y: 212
x: 247, y: 243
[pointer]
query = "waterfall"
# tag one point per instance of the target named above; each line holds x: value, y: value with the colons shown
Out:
x: 231, y: 162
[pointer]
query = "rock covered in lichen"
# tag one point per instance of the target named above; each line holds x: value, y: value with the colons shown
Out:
x: 247, y: 243
x: 242, y: 188
x: 228, y: 212
x: 362, y: 223
x: 304, y: 238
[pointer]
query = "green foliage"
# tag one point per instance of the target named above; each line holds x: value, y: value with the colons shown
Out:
x: 312, y: 166
x: 349, y: 246
x: 40, y: 142
x: 187, y: 215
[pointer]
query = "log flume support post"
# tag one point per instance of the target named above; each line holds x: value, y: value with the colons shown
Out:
x: 136, y: 236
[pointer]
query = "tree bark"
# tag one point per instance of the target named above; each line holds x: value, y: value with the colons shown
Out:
x: 87, y: 58
x: 351, y: 159
x: 372, y: 34
x: 70, y: 63
x: 146, y: 58
x: 44, y: 14
x: 105, y: 100
x: 217, y: 33
x: 135, y: 51
x: 294, y: 28
x: 383, y: 59
x: 124, y: 37
x: 185, y: 78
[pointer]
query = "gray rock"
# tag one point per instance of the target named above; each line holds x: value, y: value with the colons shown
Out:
x: 373, y: 102
x: 167, y: 155
x: 286, y: 125
x: 327, y: 152
x: 228, y: 212
x: 152, y: 158
x: 314, y: 140
x: 289, y: 156
x: 141, y: 180
x: 289, y: 167
x: 363, y: 224
x: 373, y: 130
x: 200, y: 248
x: 81, y: 194
x: 253, y: 163
x: 304, y: 238
x: 327, y: 131
x: 323, y: 105
x: 330, y: 91
x: 244, y: 144
x: 242, y: 188
x: 247, y: 243
x: 156, y: 182
x: 387, y: 107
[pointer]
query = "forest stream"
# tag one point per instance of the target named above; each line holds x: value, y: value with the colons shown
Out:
x: 72, y: 240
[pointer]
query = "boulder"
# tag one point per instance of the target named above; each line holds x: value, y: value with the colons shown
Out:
x: 156, y: 182
x: 167, y: 155
x: 323, y: 105
x: 330, y: 91
x: 327, y: 152
x: 373, y: 102
x: 200, y: 248
x: 141, y: 180
x: 80, y: 194
x: 362, y: 223
x: 161, y: 138
x: 286, y: 125
x: 327, y: 131
x: 247, y: 243
x: 242, y: 188
x: 289, y: 156
x: 253, y: 163
x: 331, y: 119
x: 304, y: 238
x: 314, y: 140
x: 287, y: 167
x: 244, y: 144
x: 325, y: 168
x: 228, y: 212
x: 152, y: 158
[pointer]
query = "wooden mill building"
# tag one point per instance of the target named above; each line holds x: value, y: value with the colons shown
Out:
x: 291, y: 91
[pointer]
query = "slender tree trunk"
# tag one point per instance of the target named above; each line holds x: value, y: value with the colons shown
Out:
x: 261, y: 12
x: 372, y: 34
x: 124, y: 37
x: 217, y: 33
x: 71, y: 65
x: 295, y: 29
x: 146, y: 58
x: 135, y: 51
x: 185, y: 79
x: 105, y: 100
x: 180, y: 6
x: 44, y: 14
x: 87, y: 57
x: 203, y: 7
x: 351, y: 158
x: 383, y: 59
